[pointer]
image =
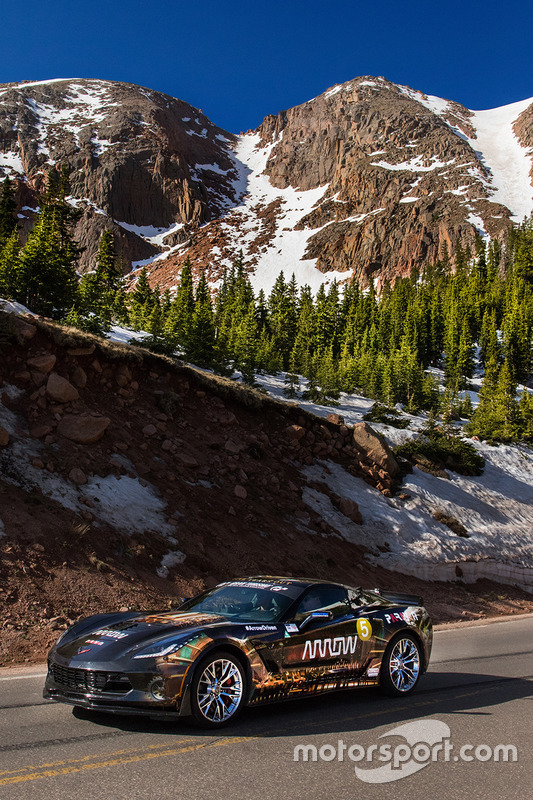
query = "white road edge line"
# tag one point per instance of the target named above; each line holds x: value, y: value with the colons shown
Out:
x: 25, y: 677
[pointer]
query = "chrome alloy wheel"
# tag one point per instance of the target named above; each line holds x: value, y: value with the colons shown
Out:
x: 404, y: 665
x: 220, y: 690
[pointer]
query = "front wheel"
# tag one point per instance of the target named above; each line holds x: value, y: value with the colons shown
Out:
x: 401, y: 666
x: 218, y: 690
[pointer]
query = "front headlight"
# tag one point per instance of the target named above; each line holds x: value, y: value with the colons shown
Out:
x: 62, y: 636
x: 159, y: 650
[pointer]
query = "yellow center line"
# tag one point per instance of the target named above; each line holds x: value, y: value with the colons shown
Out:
x: 113, y: 762
x: 95, y: 755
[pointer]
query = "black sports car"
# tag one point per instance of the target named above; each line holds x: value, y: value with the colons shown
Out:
x: 245, y: 642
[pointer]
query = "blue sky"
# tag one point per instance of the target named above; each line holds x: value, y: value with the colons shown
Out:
x: 239, y: 61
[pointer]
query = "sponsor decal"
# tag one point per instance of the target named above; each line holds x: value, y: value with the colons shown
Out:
x: 291, y: 627
x: 364, y: 629
x: 372, y: 672
x: 261, y: 627
x: 411, y: 615
x: 330, y: 648
x: 109, y: 634
x: 395, y: 616
x: 83, y: 650
x: 274, y: 587
x: 95, y: 641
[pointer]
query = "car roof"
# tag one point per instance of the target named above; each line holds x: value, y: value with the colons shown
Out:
x: 302, y: 583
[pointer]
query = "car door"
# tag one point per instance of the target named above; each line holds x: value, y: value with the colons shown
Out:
x: 326, y: 651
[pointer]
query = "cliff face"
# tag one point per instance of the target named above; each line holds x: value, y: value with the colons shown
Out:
x: 369, y: 178
x: 135, y: 157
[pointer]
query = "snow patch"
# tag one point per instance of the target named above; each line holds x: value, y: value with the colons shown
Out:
x: 172, y: 559
x: 415, y: 164
x: 496, y: 509
x: 498, y: 148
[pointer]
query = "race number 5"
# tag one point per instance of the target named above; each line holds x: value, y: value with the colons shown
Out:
x: 364, y: 629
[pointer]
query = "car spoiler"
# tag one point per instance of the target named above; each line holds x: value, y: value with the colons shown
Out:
x: 402, y: 599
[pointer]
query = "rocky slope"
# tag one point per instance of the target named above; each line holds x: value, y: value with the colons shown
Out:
x: 369, y: 178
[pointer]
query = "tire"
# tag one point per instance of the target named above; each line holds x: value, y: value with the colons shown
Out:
x: 401, y: 666
x: 218, y: 690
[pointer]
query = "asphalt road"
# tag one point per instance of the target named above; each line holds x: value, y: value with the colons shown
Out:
x: 479, y: 685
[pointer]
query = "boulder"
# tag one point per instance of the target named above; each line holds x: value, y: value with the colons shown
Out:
x: 149, y: 430
x: 23, y: 330
x: 40, y: 431
x: 240, y: 491
x: 350, y: 509
x: 375, y: 448
x: 42, y: 363
x: 77, y: 476
x: 337, y: 419
x: 61, y: 390
x: 295, y: 432
x: 79, y: 378
x: 84, y: 430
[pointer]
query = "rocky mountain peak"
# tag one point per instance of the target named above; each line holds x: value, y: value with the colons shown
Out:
x: 368, y: 178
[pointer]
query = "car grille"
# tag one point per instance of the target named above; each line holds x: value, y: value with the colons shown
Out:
x: 86, y: 680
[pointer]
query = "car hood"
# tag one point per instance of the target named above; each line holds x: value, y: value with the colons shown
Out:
x: 117, y: 638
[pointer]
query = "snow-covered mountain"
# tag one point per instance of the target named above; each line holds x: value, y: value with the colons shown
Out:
x: 368, y: 178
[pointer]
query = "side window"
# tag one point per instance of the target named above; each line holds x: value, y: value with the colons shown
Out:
x: 323, y: 598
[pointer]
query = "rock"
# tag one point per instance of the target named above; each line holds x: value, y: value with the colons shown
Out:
x: 79, y: 378
x: 240, y: 491
x: 149, y: 430
x: 23, y: 330
x: 337, y: 419
x: 40, y: 431
x: 350, y: 509
x: 188, y: 461
x: 84, y: 430
x: 77, y: 476
x: 375, y: 448
x: 61, y: 390
x: 4, y: 437
x: 42, y: 363
x: 167, y: 445
x: 228, y: 418
x: 37, y: 463
x: 232, y: 447
x: 295, y: 432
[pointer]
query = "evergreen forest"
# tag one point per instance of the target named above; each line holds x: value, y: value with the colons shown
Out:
x: 468, y: 314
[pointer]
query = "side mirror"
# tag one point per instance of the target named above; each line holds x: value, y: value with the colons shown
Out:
x: 315, y: 615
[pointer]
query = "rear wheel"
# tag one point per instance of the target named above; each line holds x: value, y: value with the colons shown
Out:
x: 401, y: 666
x: 218, y: 690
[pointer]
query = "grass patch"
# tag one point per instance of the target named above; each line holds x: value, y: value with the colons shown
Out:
x: 388, y: 416
x: 445, y: 448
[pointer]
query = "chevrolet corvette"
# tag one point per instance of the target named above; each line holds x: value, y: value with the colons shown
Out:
x: 244, y: 643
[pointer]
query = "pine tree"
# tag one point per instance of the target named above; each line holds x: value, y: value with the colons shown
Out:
x: 201, y: 338
x: 9, y: 265
x: 292, y: 385
x: 8, y: 207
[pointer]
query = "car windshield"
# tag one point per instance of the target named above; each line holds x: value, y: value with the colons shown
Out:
x: 244, y: 603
